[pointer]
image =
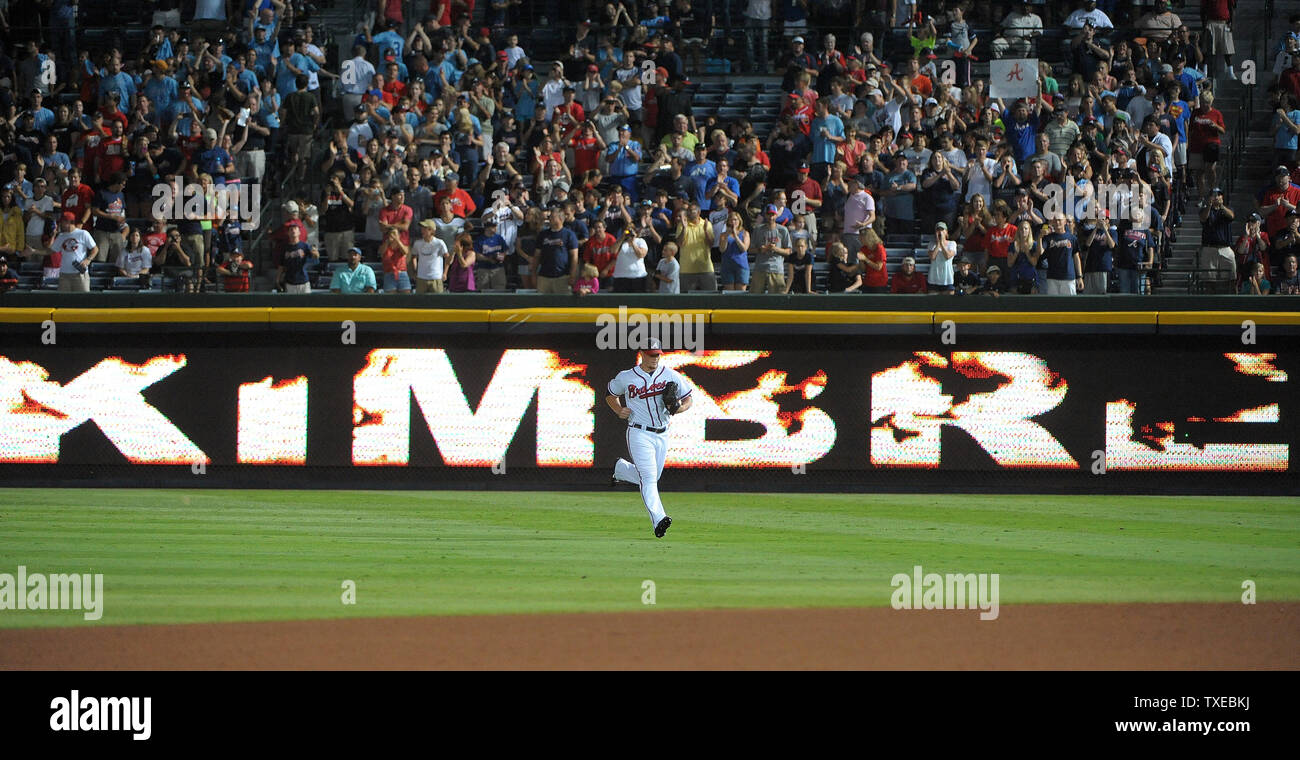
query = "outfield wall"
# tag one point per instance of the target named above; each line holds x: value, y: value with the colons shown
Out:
x: 513, y: 398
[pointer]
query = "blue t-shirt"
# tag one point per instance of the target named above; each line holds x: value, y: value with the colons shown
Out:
x: 621, y: 163
x: 388, y: 40
x: 824, y: 149
x: 1099, y: 254
x: 162, y: 91
x: 729, y: 182
x: 702, y: 174
x: 553, y: 248
x: 487, y: 250
x: 1285, y: 139
x: 1132, y: 248
x: 1021, y: 136
x: 1181, y: 113
x: 732, y: 252
x: 295, y: 265
x: 1058, y: 250
x: 212, y: 161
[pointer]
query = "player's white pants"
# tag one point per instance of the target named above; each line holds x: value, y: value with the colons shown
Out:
x: 647, y: 451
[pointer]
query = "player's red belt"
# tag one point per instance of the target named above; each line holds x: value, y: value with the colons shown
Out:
x: 650, y: 429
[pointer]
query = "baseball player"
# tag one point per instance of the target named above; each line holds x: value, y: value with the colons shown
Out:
x: 645, y: 396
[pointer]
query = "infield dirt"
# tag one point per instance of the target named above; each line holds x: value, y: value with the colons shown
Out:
x: 1075, y: 636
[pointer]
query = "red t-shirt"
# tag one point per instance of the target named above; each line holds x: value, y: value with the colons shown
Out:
x: 1201, y: 131
x: 599, y: 252
x: 999, y: 240
x: 154, y: 240
x: 810, y: 190
x: 78, y: 200
x: 1290, y: 80
x: 850, y: 153
x: 236, y: 283
x: 566, y: 127
x: 394, y: 260
x: 585, y: 154
x: 461, y: 203
x: 975, y: 241
x: 872, y: 278
x: 803, y: 117
x: 904, y: 284
x: 402, y: 213
x: 1255, y: 250
x: 1277, y: 220
x: 1218, y: 10
x: 112, y: 157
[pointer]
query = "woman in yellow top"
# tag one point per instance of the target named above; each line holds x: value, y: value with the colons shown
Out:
x: 12, y: 228
x: 694, y: 235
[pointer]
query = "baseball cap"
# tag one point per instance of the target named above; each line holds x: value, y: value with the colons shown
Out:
x: 626, y: 128
x: 389, y: 55
x: 210, y: 133
x: 941, y: 226
x: 771, y: 209
x: 993, y: 268
x: 1254, y: 217
x: 290, y: 208
x: 803, y: 166
x: 931, y: 102
x: 655, y: 348
x: 360, y: 108
x: 355, y: 250
x: 429, y: 223
x: 797, y: 40
x: 909, y: 260
x: 1166, y: 68
x: 1216, y: 191
x: 1281, y: 170
x: 376, y: 92
x: 68, y: 216
x: 593, y: 67
x: 486, y: 32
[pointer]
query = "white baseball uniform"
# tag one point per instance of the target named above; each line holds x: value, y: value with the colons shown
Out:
x: 642, y: 393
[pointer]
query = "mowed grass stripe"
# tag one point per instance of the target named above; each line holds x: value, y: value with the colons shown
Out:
x: 189, y: 556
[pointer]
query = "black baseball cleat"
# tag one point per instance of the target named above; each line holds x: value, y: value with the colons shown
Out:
x: 662, y: 527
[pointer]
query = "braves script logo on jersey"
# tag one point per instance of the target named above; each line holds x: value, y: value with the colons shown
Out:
x: 645, y: 392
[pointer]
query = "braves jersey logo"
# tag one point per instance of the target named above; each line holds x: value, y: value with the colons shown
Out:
x: 645, y: 392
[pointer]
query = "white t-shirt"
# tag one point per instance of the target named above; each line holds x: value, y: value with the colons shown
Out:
x: 941, y: 266
x: 977, y: 184
x: 643, y: 393
x: 36, y: 225
x: 671, y: 269
x: 428, y: 258
x: 628, y: 264
x: 75, y: 247
x: 134, y: 262
x: 507, y: 224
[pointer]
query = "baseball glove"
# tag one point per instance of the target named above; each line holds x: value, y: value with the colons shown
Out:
x: 671, y: 401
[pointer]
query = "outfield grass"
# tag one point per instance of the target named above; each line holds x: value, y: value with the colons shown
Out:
x: 193, y: 556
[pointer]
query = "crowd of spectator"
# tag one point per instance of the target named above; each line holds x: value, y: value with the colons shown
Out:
x: 441, y: 156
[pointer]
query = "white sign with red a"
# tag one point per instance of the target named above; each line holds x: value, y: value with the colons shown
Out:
x: 1013, y: 77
